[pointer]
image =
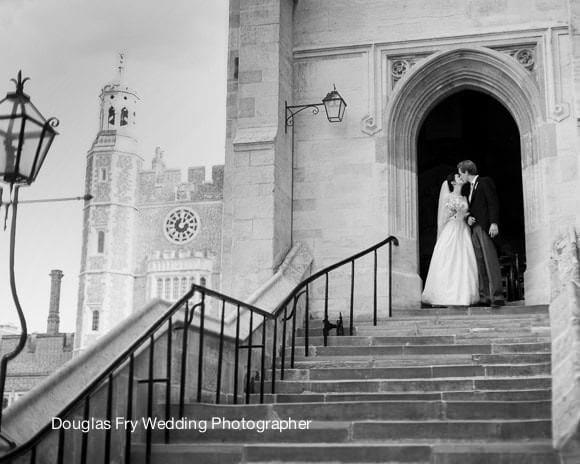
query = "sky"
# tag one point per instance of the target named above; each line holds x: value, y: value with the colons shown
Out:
x: 175, y: 58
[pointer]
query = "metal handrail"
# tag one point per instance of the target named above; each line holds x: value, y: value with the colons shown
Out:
x: 128, y: 358
x: 302, y: 290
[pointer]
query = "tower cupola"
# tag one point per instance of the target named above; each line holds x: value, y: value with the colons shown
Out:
x: 118, y: 103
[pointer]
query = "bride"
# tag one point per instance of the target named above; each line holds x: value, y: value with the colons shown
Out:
x: 452, y: 279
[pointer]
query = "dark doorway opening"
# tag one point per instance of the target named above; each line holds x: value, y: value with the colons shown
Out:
x: 472, y: 125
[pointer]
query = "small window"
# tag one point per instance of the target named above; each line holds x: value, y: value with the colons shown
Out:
x: 103, y: 174
x: 167, y: 294
x: 159, y: 288
x: 236, y: 67
x: 124, y: 117
x: 95, y: 322
x: 5, y: 402
x: 202, y: 282
x: 175, y: 288
x: 183, y: 285
x: 111, y: 116
x: 101, y: 242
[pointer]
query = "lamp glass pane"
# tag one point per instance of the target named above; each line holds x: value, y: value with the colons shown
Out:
x: 45, y: 143
x: 28, y: 150
x: 332, y: 109
x: 32, y: 112
x: 9, y: 134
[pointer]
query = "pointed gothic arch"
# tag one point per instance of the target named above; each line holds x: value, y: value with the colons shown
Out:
x: 416, y: 94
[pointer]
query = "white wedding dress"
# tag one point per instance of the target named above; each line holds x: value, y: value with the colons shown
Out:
x: 452, y: 279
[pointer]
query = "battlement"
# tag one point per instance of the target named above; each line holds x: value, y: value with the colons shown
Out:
x: 166, y: 185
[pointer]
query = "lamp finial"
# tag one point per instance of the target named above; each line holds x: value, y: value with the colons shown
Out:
x: 19, y: 83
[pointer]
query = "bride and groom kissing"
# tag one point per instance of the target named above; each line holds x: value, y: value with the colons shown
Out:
x: 464, y: 269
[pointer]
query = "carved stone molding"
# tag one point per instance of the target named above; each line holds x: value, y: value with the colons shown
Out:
x: 400, y: 65
x: 564, y: 262
x: 399, y: 68
x: 369, y: 125
x: 525, y: 56
x: 560, y: 112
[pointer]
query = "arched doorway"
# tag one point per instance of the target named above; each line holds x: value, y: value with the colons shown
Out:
x: 473, y: 125
x: 421, y: 89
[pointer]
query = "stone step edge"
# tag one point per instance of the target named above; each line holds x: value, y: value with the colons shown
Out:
x: 446, y: 379
x: 446, y: 366
x: 441, y: 447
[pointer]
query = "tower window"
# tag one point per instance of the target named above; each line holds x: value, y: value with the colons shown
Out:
x: 167, y: 289
x: 103, y: 174
x: 95, y: 321
x: 175, y: 288
x: 236, y: 67
x: 101, y: 242
x: 111, y: 116
x: 124, y: 117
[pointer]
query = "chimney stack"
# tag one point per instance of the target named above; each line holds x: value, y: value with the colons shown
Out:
x: 53, y: 309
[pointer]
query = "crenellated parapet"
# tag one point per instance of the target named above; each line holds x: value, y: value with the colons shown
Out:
x: 162, y: 185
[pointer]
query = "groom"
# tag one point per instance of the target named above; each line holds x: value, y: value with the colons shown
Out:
x: 483, y: 219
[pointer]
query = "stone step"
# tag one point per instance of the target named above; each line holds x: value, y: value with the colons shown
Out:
x: 338, y: 453
x: 186, y: 453
x: 474, y: 395
x: 370, y: 410
x: 465, y: 430
x: 433, y: 327
x: 415, y: 452
x: 426, y: 372
x: 249, y: 431
x: 531, y: 452
x: 475, y: 337
x: 410, y: 385
x: 421, y: 360
x: 377, y: 350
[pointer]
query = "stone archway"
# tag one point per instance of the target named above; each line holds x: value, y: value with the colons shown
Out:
x: 431, y: 81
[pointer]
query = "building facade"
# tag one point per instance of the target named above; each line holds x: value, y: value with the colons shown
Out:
x: 42, y: 354
x: 147, y: 233
x: 339, y: 188
x: 428, y: 84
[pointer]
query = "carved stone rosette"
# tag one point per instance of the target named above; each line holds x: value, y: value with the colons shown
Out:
x: 525, y: 55
x: 400, y: 65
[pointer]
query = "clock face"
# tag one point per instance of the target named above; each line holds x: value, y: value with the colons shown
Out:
x: 181, y: 225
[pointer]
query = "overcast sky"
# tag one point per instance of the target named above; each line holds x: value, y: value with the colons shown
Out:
x: 176, y: 61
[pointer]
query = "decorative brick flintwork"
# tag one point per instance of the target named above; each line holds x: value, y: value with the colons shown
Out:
x: 125, y: 225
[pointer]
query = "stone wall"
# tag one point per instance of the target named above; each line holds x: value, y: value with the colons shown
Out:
x: 565, y: 327
x: 258, y: 170
x: 351, y: 186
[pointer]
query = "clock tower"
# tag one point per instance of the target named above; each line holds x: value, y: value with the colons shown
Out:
x: 107, y: 276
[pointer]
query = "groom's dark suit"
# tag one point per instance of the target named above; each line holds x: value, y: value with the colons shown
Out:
x: 484, y: 207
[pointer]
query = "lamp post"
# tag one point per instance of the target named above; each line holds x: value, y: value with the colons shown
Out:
x: 25, y: 138
x: 334, y: 106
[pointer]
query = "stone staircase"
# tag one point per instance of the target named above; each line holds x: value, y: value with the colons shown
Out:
x: 437, y: 386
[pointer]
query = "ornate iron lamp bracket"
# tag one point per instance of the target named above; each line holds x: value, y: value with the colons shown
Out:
x: 295, y: 109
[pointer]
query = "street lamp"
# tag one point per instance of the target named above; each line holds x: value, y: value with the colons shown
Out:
x: 25, y: 137
x: 334, y: 105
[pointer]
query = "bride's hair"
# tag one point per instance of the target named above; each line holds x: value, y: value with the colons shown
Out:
x: 450, y: 178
